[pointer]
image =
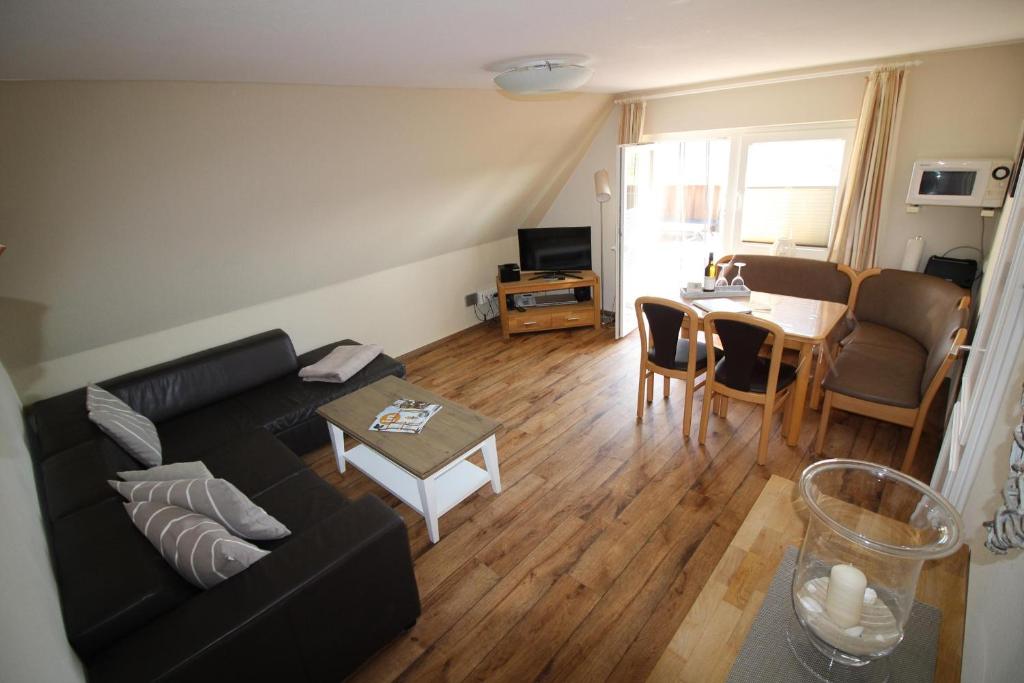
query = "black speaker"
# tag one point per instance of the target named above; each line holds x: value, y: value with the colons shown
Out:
x: 509, y: 272
x: 960, y: 271
x: 582, y: 293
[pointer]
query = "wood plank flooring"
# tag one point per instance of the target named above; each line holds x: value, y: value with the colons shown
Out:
x: 585, y: 565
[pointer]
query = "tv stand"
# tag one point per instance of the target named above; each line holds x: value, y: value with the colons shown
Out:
x: 556, y: 275
x: 581, y: 314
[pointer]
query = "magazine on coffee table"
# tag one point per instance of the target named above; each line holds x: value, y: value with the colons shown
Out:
x: 405, y: 416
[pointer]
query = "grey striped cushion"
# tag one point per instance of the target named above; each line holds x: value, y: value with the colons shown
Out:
x: 176, y: 470
x: 133, y: 432
x: 200, y: 549
x: 215, y: 498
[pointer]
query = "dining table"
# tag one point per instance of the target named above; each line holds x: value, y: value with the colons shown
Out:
x: 807, y: 324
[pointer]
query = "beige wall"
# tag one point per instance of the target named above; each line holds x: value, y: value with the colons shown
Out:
x: 577, y: 203
x: 134, y: 208
x: 960, y: 103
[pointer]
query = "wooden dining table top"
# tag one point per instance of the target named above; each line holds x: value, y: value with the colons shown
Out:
x: 805, y: 320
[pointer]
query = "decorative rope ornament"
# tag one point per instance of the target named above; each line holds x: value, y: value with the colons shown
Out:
x: 1006, y: 530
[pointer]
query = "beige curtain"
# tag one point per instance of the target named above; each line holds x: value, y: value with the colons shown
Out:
x: 856, y: 237
x: 632, y: 126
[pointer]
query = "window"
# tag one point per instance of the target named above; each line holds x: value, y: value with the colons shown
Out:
x: 790, y: 189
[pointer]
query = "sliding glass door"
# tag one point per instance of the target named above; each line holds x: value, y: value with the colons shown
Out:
x: 673, y: 198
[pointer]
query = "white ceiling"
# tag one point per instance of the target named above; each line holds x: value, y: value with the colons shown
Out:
x: 635, y: 44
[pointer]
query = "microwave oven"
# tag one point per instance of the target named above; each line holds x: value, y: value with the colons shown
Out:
x: 959, y: 182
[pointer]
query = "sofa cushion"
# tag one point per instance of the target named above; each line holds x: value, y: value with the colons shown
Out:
x: 176, y: 470
x: 77, y: 477
x: 300, y: 502
x: 883, y: 337
x: 60, y: 422
x: 881, y: 375
x: 189, y: 383
x: 253, y: 462
x: 185, y: 437
x: 112, y: 581
x: 287, y: 401
x: 789, y: 276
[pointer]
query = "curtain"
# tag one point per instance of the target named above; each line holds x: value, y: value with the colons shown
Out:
x: 632, y: 126
x: 856, y: 237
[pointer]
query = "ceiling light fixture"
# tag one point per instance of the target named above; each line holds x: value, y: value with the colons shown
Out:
x: 540, y: 75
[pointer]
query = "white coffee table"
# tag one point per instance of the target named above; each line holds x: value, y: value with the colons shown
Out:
x: 428, y: 471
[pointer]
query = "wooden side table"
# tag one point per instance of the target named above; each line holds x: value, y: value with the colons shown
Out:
x: 582, y: 314
x: 712, y: 634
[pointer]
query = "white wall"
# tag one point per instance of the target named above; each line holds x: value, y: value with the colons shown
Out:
x: 131, y: 208
x: 577, y: 204
x: 33, y: 646
x: 995, y: 597
x: 400, y: 308
x: 960, y: 104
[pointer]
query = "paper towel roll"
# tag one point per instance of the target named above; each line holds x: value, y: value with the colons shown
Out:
x: 912, y: 254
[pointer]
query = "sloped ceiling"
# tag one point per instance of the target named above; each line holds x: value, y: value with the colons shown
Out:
x: 130, y: 208
x: 635, y: 44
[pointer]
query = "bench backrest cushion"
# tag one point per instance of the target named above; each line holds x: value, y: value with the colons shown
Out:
x: 185, y: 384
x: 920, y: 306
x: 791, y: 276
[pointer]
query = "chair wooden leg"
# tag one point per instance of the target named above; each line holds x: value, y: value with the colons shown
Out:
x: 826, y: 408
x: 725, y: 406
x: 688, y: 409
x: 766, y: 430
x: 665, y: 386
x: 650, y: 387
x: 640, y: 395
x: 819, y: 377
x: 915, y: 441
x: 787, y: 406
x: 705, y: 412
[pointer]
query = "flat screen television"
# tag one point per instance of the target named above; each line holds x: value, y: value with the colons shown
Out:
x: 555, y: 249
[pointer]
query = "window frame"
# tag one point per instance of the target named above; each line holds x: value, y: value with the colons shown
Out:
x: 739, y: 141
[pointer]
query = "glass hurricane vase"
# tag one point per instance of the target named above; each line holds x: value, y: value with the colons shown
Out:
x: 870, y: 528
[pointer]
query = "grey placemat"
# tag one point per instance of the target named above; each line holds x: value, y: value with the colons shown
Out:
x: 767, y: 656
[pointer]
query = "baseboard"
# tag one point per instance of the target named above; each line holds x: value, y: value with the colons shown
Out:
x: 405, y: 357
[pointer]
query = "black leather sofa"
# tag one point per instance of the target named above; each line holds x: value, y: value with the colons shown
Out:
x: 324, y: 600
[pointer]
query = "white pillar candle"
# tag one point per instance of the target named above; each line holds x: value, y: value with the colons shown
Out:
x: 845, y: 596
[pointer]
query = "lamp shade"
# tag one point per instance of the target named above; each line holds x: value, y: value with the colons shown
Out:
x: 602, y: 188
x: 543, y: 76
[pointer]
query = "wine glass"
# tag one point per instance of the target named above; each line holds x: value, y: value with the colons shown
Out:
x: 738, y: 281
x: 722, y: 281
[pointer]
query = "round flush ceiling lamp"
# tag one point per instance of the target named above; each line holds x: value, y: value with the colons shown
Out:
x: 540, y: 75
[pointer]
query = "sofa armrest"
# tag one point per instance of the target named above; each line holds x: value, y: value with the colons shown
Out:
x: 313, y: 609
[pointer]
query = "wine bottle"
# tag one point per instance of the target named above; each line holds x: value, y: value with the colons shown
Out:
x: 710, y: 271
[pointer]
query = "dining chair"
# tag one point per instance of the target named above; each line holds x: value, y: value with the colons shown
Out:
x: 663, y: 352
x: 742, y: 373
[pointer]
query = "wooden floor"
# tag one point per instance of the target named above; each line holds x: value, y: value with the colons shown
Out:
x: 588, y: 561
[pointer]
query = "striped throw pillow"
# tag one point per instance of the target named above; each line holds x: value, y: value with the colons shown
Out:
x: 215, y: 498
x: 200, y: 549
x: 133, y: 432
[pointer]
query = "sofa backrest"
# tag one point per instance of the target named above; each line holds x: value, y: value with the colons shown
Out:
x: 791, y: 276
x: 192, y: 382
x: 33, y: 646
x: 923, y: 307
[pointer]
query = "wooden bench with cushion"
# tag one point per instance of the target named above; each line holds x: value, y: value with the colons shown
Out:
x: 908, y: 329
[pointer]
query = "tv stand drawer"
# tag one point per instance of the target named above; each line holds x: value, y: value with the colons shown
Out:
x: 573, y: 318
x: 528, y: 322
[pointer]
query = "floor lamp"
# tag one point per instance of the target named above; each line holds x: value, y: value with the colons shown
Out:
x: 603, y: 193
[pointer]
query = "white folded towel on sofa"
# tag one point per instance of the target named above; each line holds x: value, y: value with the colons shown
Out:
x: 341, y: 363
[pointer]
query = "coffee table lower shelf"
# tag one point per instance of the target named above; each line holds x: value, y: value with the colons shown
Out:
x: 430, y: 497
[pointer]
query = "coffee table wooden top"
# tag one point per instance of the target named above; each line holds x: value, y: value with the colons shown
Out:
x: 450, y: 433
